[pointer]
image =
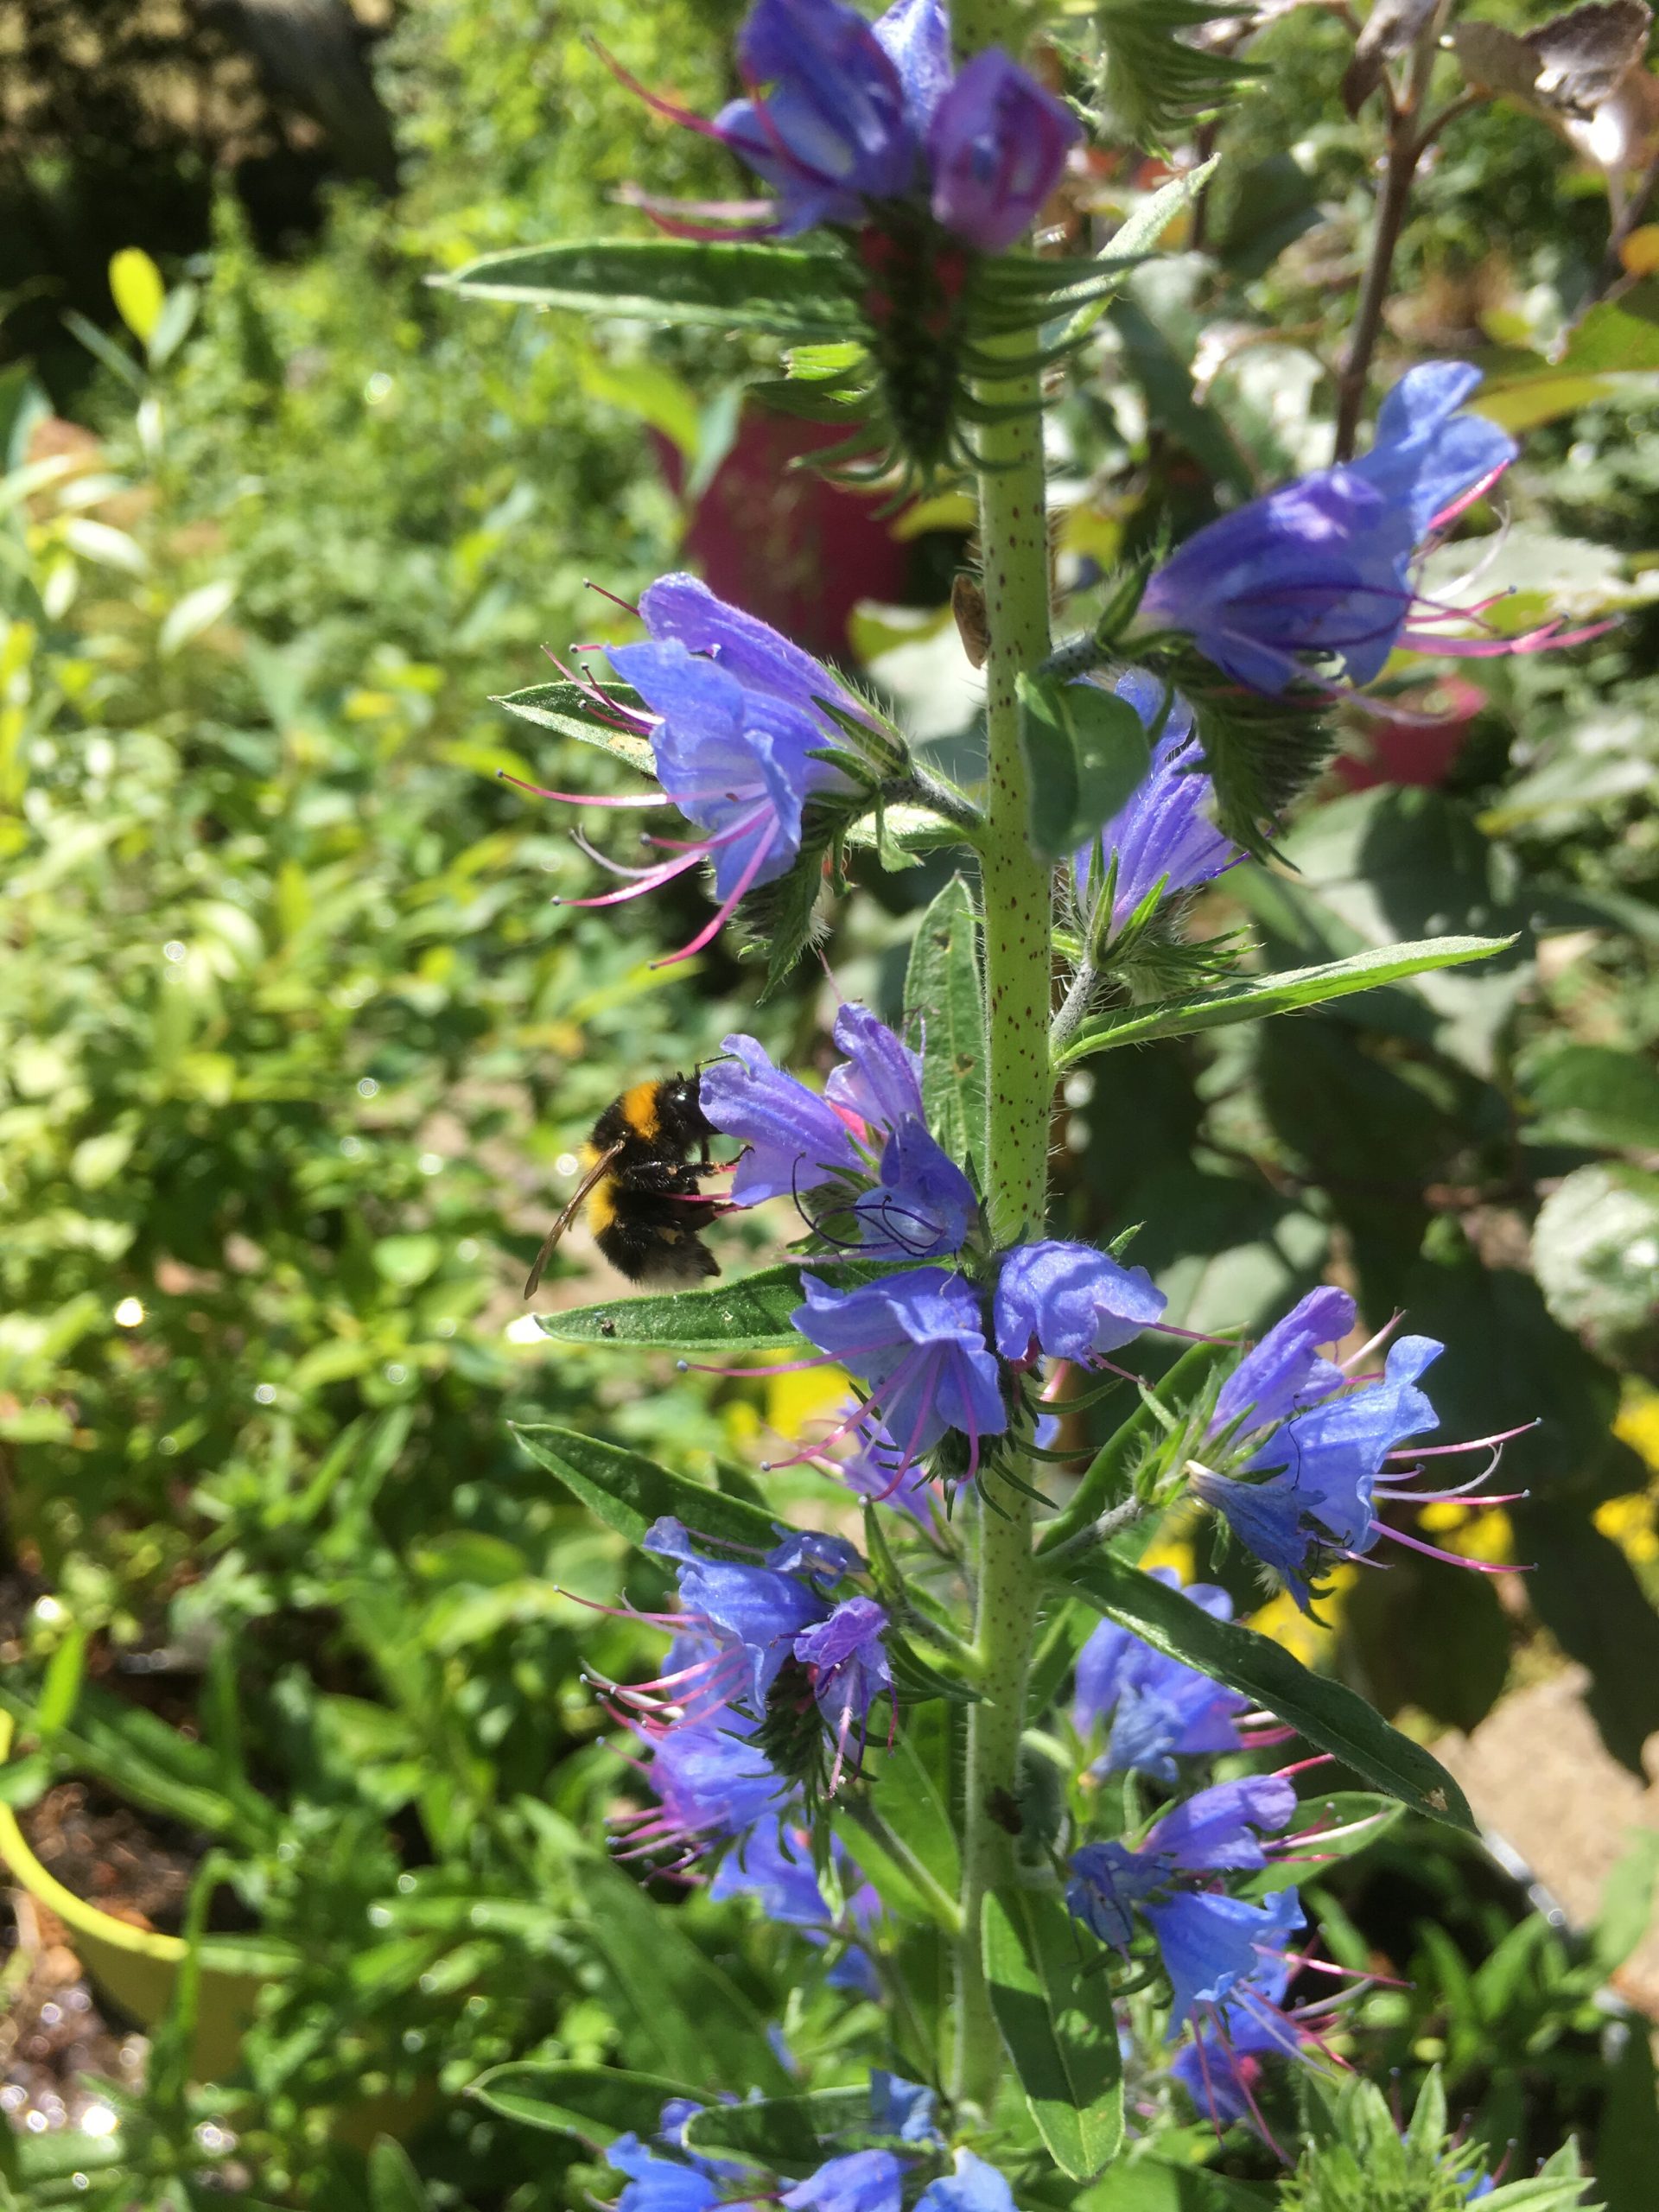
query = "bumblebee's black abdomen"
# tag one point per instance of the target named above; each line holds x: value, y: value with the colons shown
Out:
x: 653, y: 1236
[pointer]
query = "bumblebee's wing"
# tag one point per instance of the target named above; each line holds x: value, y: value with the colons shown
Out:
x: 595, y: 1174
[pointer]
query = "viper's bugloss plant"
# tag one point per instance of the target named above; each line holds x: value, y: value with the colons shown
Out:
x: 948, y: 1724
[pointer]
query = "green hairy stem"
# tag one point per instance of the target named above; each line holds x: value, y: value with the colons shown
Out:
x: 1013, y: 537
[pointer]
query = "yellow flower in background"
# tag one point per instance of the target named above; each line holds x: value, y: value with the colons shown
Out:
x: 1633, y: 1521
x: 1310, y: 1641
x: 791, y: 1403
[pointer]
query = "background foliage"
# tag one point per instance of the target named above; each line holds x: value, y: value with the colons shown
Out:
x: 291, y: 1041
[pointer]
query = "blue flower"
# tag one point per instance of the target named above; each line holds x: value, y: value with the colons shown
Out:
x: 902, y: 2108
x: 1109, y: 1883
x: 820, y: 1557
x: 1220, y: 2064
x: 975, y: 2186
x: 1160, y: 1709
x: 1286, y: 1372
x: 862, y: 2181
x: 1319, y: 571
x: 1163, y: 835
x: 1205, y: 1939
x: 734, y: 715
x: 857, y: 116
x: 1209, y: 1942
x: 899, y: 1194
x: 1070, y: 1301
x: 751, y: 1614
x: 918, y: 1339
x: 774, y: 1866
x: 835, y: 130
x: 796, y: 1141
x: 658, y: 2184
x: 1222, y: 1828
x: 1309, y: 1491
x: 712, y: 1786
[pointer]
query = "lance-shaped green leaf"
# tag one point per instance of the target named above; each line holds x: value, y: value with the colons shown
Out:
x: 629, y: 1491
x: 1328, y: 1713
x: 570, y: 711
x: 594, y: 2103
x: 944, y: 1001
x: 1135, y: 237
x: 676, y: 2007
x: 749, y: 1315
x: 1291, y: 991
x: 1059, y: 2027
x: 788, y: 2135
x: 752, y: 1314
x: 1086, y: 750
x: 790, y: 291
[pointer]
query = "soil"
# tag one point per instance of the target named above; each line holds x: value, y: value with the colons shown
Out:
x: 53, y: 2038
x: 134, y: 1866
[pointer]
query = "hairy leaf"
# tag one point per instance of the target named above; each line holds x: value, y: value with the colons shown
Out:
x: 1060, y: 2026
x: 944, y: 1001
x: 594, y: 2103
x: 1288, y: 992
x: 791, y: 291
x: 629, y: 1491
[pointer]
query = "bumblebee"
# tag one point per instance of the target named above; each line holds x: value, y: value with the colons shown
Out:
x: 640, y: 1187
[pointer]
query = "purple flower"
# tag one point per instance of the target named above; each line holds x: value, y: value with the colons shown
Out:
x: 1160, y: 1709
x: 1284, y: 1372
x: 1319, y: 571
x: 846, y: 1658
x: 1204, y: 1938
x: 835, y: 130
x: 878, y: 1470
x: 862, y: 2181
x: 975, y: 2186
x: 750, y: 1615
x: 1220, y: 2064
x: 846, y: 119
x: 796, y: 1141
x: 1163, y: 835
x: 1308, y: 1493
x: 996, y: 149
x: 1109, y: 1883
x: 712, y: 1786
x: 734, y: 719
x: 1070, y: 1301
x: 898, y: 1194
x: 918, y: 1339
x: 1223, y: 1826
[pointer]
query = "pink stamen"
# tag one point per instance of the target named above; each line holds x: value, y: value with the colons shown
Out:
x: 649, y: 881
x: 713, y: 926
x: 626, y: 605
x: 1475, y: 1444
x: 583, y: 799
x: 1467, y: 499
x: 1451, y: 1558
